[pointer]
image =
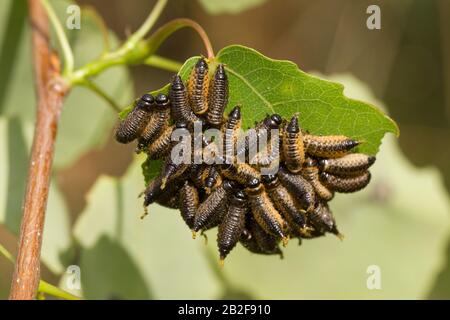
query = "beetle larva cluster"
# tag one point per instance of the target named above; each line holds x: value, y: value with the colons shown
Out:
x: 259, y: 198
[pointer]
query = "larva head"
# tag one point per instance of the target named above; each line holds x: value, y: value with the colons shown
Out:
x: 220, y: 73
x: 210, y: 182
x: 148, y: 98
x: 181, y: 125
x: 310, y: 162
x: 371, y: 160
x: 146, y: 102
x: 229, y: 185
x: 235, y: 113
x: 239, y: 198
x: 270, y: 180
x: 254, y: 187
x: 292, y: 126
x: 177, y: 84
x: 201, y: 66
x: 162, y: 100
x: 273, y: 122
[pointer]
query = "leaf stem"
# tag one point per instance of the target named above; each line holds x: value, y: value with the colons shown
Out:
x: 4, y: 252
x: 52, y: 290
x: 163, y: 63
x: 62, y: 38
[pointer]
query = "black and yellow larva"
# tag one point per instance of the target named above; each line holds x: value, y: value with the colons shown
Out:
x: 180, y: 109
x: 218, y: 97
x: 311, y: 174
x: 213, y: 179
x: 188, y: 203
x: 134, y: 123
x: 299, y: 187
x: 230, y: 133
x: 346, y: 184
x: 323, y: 219
x: 328, y: 146
x: 198, y: 87
x: 293, y: 149
x: 213, y: 205
x: 264, y: 211
x: 158, y: 121
x: 232, y: 225
x: 351, y: 164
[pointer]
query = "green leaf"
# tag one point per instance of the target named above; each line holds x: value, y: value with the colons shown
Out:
x: 399, y: 222
x: 225, y: 6
x: 157, y: 252
x: 262, y: 85
x: 14, y: 154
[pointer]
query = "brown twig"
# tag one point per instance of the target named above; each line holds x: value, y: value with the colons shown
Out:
x: 50, y: 95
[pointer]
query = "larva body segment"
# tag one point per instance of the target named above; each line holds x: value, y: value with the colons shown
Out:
x: 161, y: 147
x: 345, y: 184
x: 171, y: 202
x: 293, y: 149
x: 212, y: 180
x: 240, y: 172
x: 212, y: 205
x: 284, y: 202
x: 188, y: 203
x: 218, y: 97
x: 133, y: 125
x: 158, y: 121
x: 232, y: 225
x: 152, y: 191
x: 351, y: 164
x: 301, y: 190
x: 180, y: 109
x: 328, y: 146
x: 198, y: 87
x: 264, y: 211
x: 311, y: 174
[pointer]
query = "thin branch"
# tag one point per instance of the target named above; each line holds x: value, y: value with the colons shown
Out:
x: 163, y: 63
x: 50, y: 95
x: 147, y: 25
x: 102, y: 94
x: 62, y: 38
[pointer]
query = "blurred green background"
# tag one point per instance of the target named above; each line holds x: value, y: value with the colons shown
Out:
x: 400, y: 223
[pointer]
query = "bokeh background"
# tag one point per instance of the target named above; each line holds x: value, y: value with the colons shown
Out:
x: 400, y: 223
